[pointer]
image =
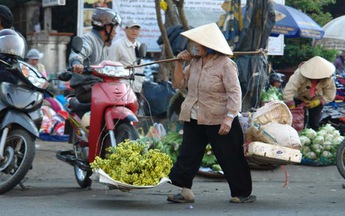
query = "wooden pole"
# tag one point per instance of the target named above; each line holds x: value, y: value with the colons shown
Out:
x: 260, y: 51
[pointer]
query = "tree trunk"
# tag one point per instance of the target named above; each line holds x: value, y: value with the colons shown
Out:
x: 164, y: 72
x: 171, y: 16
x: 180, y: 9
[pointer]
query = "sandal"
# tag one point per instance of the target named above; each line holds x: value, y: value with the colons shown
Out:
x: 179, y: 198
x: 248, y: 199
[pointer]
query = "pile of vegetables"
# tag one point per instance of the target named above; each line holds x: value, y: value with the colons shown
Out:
x: 272, y: 94
x: 132, y: 163
x: 210, y: 160
x: 320, y: 147
x: 171, y: 146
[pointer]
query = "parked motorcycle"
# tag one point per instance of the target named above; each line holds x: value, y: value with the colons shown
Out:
x: 20, y: 115
x: 340, y: 159
x: 113, y: 115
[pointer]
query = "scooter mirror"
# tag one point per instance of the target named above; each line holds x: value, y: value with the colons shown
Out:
x: 142, y: 50
x: 77, y: 44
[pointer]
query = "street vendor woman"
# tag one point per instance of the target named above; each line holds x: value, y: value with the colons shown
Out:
x: 209, y: 113
x: 313, y: 85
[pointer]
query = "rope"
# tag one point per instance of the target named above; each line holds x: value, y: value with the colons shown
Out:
x: 286, y: 175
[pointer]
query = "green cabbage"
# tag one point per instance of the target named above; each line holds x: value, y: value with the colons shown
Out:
x: 321, y: 133
x: 304, y: 140
x: 328, y: 137
x: 327, y: 147
x: 328, y: 128
x: 272, y: 94
x: 305, y: 150
x: 310, y: 133
x: 338, y: 140
x: 326, y: 154
x: 318, y: 140
x: 311, y: 155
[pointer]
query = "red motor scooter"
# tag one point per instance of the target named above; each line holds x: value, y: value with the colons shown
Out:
x: 112, y: 118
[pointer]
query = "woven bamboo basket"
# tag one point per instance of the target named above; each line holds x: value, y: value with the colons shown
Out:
x: 274, y: 111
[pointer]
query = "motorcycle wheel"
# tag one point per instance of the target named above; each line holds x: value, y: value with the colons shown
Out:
x: 82, y: 177
x: 340, y: 159
x: 125, y: 131
x: 19, y: 154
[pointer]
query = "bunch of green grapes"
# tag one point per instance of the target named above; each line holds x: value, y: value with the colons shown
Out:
x: 130, y: 162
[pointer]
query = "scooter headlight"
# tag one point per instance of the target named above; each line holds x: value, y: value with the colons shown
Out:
x: 113, y: 71
x: 34, y: 76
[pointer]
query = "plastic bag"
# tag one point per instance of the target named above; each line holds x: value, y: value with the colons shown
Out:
x: 156, y: 131
x: 298, y: 115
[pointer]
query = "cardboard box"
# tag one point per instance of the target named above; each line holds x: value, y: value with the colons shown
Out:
x: 269, y: 153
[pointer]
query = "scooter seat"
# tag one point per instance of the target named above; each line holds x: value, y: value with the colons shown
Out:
x: 77, y: 106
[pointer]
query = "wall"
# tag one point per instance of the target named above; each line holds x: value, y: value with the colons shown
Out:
x: 52, y: 43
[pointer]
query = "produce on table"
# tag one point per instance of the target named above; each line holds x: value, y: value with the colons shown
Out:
x: 130, y: 162
x: 320, y: 147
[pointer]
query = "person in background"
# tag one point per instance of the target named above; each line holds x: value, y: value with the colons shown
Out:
x: 6, y: 17
x: 100, y: 3
x: 210, y: 115
x: 273, y: 90
x: 276, y: 80
x: 6, y: 20
x: 312, y: 84
x: 126, y: 51
x: 33, y: 57
x: 339, y: 62
x: 104, y: 24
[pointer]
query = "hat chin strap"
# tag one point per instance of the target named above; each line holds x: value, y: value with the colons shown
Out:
x: 108, y: 34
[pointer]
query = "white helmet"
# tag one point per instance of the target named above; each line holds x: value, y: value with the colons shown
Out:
x: 85, y: 122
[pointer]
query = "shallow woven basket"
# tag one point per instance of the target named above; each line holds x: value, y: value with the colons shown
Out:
x: 275, y: 111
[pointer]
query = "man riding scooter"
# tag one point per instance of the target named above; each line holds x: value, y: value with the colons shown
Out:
x: 112, y: 103
x: 104, y: 24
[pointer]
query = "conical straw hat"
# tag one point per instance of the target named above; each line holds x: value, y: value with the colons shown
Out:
x: 317, y: 68
x: 209, y: 36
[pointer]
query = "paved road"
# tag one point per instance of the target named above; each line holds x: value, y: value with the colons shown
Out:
x: 53, y: 191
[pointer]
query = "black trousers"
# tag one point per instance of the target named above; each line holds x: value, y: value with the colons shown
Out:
x: 228, y: 150
x: 315, y: 117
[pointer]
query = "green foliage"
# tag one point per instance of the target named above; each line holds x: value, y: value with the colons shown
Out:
x: 171, y: 144
x: 315, y: 9
x: 298, y: 50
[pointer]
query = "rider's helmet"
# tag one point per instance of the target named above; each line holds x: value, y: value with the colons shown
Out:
x: 276, y: 77
x: 105, y: 16
x: 11, y: 44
